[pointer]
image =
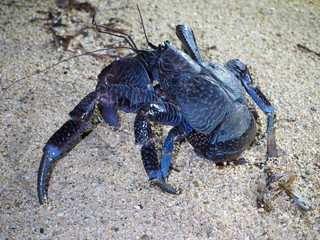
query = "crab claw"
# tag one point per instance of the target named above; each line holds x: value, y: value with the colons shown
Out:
x: 42, y: 175
x: 159, y: 182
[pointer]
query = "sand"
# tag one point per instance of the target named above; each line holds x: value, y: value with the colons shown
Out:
x: 100, y: 190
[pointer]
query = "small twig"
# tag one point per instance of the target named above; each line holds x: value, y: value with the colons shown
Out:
x: 302, y: 47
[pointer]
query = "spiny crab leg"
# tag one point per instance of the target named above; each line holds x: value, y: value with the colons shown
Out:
x: 65, y: 139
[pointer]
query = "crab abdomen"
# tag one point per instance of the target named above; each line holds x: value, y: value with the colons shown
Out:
x: 229, y: 139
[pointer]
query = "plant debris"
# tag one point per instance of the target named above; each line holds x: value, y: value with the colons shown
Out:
x: 265, y: 187
x: 306, y: 49
x: 73, y: 4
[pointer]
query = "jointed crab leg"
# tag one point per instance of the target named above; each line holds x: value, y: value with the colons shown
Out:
x: 126, y: 71
x: 241, y: 72
x: 117, y: 96
x: 189, y: 44
x: 177, y: 133
x: 64, y: 140
x: 158, y: 112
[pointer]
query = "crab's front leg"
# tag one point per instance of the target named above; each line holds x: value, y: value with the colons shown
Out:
x: 177, y: 133
x: 126, y: 71
x: 65, y: 139
x: 158, y: 112
x: 122, y: 97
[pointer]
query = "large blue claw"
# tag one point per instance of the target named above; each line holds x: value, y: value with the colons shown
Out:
x: 159, y: 182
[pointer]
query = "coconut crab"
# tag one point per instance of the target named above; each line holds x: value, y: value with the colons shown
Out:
x: 205, y: 103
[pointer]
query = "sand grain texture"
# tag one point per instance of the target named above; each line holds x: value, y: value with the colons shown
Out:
x: 100, y: 190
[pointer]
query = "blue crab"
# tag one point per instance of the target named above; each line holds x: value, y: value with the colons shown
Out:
x: 205, y: 103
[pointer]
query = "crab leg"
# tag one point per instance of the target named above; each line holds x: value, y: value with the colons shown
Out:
x: 158, y: 112
x: 65, y: 139
x: 126, y: 71
x: 177, y: 133
x: 117, y: 96
x: 241, y: 71
x: 259, y: 98
x: 189, y: 44
x: 264, y: 104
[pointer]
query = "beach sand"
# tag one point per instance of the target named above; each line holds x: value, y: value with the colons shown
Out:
x: 100, y: 189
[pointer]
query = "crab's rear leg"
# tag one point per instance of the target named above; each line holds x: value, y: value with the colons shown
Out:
x: 158, y: 112
x: 240, y: 70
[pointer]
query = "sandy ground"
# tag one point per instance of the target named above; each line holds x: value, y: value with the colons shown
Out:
x: 100, y: 190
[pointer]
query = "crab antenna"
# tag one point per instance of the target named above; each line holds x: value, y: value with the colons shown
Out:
x: 114, y: 32
x: 55, y: 64
x: 144, y: 30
